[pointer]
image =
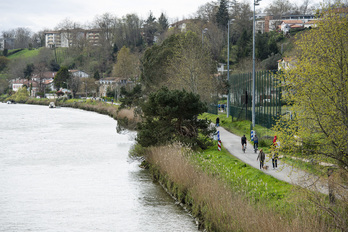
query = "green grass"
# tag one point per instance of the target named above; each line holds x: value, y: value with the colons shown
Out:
x: 242, y: 178
x: 25, y: 53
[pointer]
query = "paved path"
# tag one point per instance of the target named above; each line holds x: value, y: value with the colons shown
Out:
x: 284, y: 172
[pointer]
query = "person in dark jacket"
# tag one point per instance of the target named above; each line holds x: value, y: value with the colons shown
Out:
x: 256, y: 142
x: 261, y: 157
x: 217, y: 121
x: 244, y: 141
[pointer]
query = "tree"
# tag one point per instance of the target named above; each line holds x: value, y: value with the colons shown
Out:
x: 150, y: 28
x: 96, y: 75
x: 222, y: 16
x: 162, y: 23
x: 88, y: 86
x: 22, y: 37
x: 40, y: 69
x: 207, y: 12
x: 154, y: 63
x: 126, y: 65
x: 191, y: 67
x: 74, y: 84
x: 279, y: 8
x: 28, y: 71
x: 3, y: 62
x: 244, y: 44
x: 316, y: 89
x: 131, y: 31
x: 171, y: 116
x: 130, y: 98
x: 61, y: 78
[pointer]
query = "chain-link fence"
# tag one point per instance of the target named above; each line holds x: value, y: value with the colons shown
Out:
x: 267, y: 97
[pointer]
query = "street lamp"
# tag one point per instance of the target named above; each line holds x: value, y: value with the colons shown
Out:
x: 203, y: 32
x: 228, y: 66
x: 256, y: 3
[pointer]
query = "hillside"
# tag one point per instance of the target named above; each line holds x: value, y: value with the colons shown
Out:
x: 22, y: 53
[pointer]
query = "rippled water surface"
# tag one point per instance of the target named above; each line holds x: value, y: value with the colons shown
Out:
x: 68, y: 170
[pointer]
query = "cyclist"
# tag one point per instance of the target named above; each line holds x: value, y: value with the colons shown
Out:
x: 256, y: 143
x: 244, y: 141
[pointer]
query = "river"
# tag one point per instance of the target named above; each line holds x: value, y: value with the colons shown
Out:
x: 68, y: 170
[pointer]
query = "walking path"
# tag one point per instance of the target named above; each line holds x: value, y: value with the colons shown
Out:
x: 284, y: 172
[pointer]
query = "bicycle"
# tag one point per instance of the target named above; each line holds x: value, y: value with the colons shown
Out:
x: 244, y: 147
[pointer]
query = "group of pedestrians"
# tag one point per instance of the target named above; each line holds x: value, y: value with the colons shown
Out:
x: 262, y: 156
x: 221, y: 107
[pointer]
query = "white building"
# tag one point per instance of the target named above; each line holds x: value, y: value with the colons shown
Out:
x: 68, y: 38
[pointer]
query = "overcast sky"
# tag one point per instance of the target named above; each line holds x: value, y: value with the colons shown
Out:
x: 47, y: 14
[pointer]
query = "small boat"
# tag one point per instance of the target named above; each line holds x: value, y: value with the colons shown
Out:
x: 52, y: 105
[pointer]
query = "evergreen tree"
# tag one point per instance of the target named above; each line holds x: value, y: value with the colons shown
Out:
x: 150, y: 28
x: 243, y: 44
x: 130, y: 98
x: 261, y: 47
x: 96, y: 75
x: 171, y: 116
x: 162, y: 23
x: 62, y: 77
x: 222, y: 16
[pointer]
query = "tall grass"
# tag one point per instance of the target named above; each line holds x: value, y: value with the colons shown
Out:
x: 218, y: 203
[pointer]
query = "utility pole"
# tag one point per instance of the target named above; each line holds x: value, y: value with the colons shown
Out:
x: 228, y: 67
x: 256, y: 3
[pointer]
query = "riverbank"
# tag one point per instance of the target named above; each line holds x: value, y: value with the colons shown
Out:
x: 225, y: 194
x: 222, y: 192
x: 124, y: 117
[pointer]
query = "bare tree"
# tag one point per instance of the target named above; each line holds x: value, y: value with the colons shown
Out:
x: 71, y: 31
x: 304, y: 7
x: 207, y: 12
x: 279, y: 8
x: 191, y: 67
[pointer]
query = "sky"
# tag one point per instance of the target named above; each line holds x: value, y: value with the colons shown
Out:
x: 38, y: 15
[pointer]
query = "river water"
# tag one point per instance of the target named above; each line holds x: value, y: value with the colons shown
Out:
x: 68, y: 170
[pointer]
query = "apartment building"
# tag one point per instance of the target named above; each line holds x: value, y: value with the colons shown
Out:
x: 6, y: 43
x: 68, y: 38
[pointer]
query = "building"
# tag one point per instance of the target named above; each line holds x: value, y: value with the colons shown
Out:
x: 286, y: 63
x: 31, y: 85
x: 6, y: 43
x: 78, y: 73
x: 272, y: 23
x: 114, y: 83
x: 68, y: 38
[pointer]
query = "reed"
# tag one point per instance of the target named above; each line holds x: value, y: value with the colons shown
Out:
x: 216, y: 204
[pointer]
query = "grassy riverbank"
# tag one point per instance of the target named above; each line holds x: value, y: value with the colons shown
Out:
x: 226, y: 194
x: 125, y: 117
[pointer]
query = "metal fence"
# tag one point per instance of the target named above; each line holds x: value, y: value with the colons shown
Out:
x: 267, y: 97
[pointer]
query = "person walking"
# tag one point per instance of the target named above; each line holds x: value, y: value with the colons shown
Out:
x: 274, y: 159
x: 261, y: 157
x: 274, y: 141
x: 256, y: 143
x: 276, y: 145
x: 217, y: 121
